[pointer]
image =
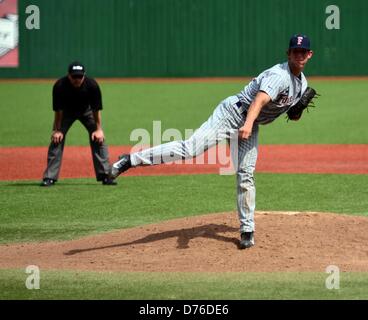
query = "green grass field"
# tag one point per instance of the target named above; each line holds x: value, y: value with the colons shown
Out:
x: 77, y: 207
x: 182, y: 286
x: 27, y: 113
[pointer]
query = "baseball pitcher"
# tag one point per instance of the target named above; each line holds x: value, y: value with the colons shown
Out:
x: 278, y: 90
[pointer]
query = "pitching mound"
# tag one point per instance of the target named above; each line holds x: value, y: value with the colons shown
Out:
x: 284, y: 242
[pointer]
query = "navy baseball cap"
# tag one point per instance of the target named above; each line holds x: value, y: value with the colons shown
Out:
x: 76, y: 68
x: 299, y: 41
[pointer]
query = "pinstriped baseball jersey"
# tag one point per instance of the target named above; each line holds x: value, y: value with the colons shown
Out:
x: 281, y: 85
x: 284, y: 89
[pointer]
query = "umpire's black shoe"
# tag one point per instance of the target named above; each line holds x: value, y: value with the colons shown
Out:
x: 120, y: 166
x: 246, y: 240
x: 109, y: 182
x: 46, y: 182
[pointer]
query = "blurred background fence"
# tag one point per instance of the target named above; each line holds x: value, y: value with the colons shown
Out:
x: 187, y: 38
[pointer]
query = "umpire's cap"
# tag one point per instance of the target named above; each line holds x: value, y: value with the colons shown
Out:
x: 299, y: 41
x: 76, y: 68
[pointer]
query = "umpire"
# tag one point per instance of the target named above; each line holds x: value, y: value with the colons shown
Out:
x: 77, y: 97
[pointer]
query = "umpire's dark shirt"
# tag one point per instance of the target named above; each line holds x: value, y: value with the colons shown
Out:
x: 75, y: 101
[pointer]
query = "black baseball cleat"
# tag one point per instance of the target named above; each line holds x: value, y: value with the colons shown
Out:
x: 246, y: 240
x: 109, y: 182
x: 46, y: 182
x: 120, y: 166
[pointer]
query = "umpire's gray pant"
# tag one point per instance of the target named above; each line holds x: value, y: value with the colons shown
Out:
x: 100, y: 153
x: 224, y: 123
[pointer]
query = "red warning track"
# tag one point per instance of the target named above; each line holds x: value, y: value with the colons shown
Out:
x: 23, y: 163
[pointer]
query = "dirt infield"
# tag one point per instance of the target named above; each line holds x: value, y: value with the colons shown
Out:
x: 284, y: 242
x: 29, y: 162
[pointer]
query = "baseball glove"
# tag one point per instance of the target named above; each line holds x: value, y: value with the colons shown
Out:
x: 295, y: 112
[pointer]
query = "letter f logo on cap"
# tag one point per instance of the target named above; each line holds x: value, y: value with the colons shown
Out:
x: 299, y: 41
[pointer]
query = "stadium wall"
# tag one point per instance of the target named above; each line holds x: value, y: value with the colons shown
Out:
x: 187, y: 38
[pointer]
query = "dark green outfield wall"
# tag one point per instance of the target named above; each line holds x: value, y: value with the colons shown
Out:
x: 146, y: 38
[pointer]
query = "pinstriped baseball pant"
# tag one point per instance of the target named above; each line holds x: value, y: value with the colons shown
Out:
x: 224, y: 123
